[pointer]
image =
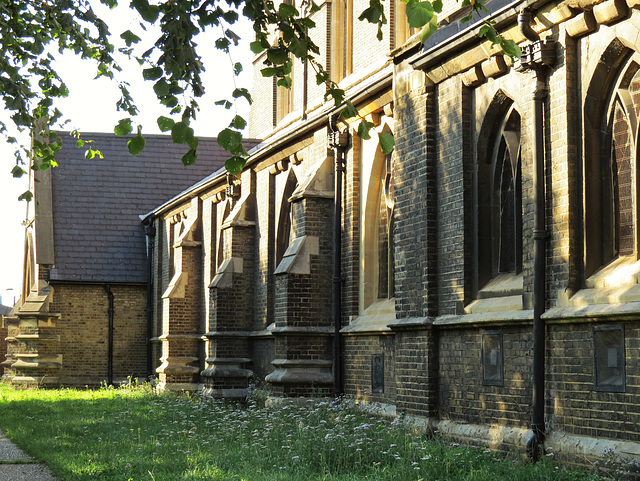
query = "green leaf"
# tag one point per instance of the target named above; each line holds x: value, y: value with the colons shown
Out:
x: 225, y: 103
x: 170, y: 101
x: 79, y: 143
x: 153, y: 73
x: 235, y: 164
x: 268, y: 72
x: 277, y: 55
x: 387, y: 142
x: 437, y: 6
x: 148, y: 12
x: 336, y: 94
x: 165, y: 123
x: 419, y: 14
x: 429, y: 29
x: 222, y: 44
x: 237, y: 68
x: 230, y: 16
x: 256, y: 47
x: 287, y: 11
x: 242, y: 92
x: 510, y: 48
x: 193, y: 142
x: 285, y: 82
x: 322, y: 77
x: 136, y: 144
x: 231, y: 35
x: 349, y: 111
x: 190, y: 157
x: 123, y: 128
x: 130, y: 38
x: 231, y: 141
x: 373, y: 13
x: 363, y: 129
x: 238, y: 123
x: 181, y: 132
x: 18, y: 171
x: 489, y: 33
x: 28, y: 195
x: 161, y: 88
x: 299, y: 47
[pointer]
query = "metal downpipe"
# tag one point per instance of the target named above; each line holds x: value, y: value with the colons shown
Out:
x: 539, y: 268
x: 110, y: 311
x: 150, y: 232
x: 337, y: 141
x: 538, y: 56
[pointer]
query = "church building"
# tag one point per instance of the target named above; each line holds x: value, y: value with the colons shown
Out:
x: 481, y: 279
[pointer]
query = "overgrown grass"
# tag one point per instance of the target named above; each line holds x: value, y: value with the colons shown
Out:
x: 133, y: 434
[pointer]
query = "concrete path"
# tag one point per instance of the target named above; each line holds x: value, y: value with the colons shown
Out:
x: 15, y: 465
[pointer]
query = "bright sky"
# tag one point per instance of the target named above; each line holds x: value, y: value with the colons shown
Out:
x: 91, y: 108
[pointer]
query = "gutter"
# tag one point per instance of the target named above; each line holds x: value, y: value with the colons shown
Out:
x: 450, y: 40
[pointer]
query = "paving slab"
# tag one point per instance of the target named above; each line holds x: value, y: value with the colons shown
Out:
x: 16, y: 465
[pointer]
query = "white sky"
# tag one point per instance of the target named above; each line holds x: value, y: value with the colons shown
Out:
x: 91, y: 108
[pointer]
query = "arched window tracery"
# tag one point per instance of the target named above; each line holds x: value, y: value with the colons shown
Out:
x: 499, y: 185
x: 611, y: 173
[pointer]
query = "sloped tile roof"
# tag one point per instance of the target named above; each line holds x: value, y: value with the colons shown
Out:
x: 98, y: 236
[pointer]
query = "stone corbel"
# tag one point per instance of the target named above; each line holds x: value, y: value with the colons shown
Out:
x: 317, y: 183
x: 187, y: 239
x: 297, y: 258
x: 224, y: 275
x: 177, y: 286
x: 240, y: 216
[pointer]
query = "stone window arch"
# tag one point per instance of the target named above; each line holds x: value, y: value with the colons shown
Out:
x: 377, y: 222
x: 284, y: 229
x: 611, y: 150
x: 499, y: 187
x: 220, y: 232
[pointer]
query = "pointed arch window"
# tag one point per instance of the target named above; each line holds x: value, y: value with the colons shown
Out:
x: 377, y: 224
x: 225, y: 214
x: 610, y: 174
x: 500, y: 201
x: 285, y: 225
x: 386, y: 203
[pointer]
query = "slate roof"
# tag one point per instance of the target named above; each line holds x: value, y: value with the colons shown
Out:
x: 98, y: 236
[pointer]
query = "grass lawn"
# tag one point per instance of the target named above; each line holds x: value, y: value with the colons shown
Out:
x: 132, y: 434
